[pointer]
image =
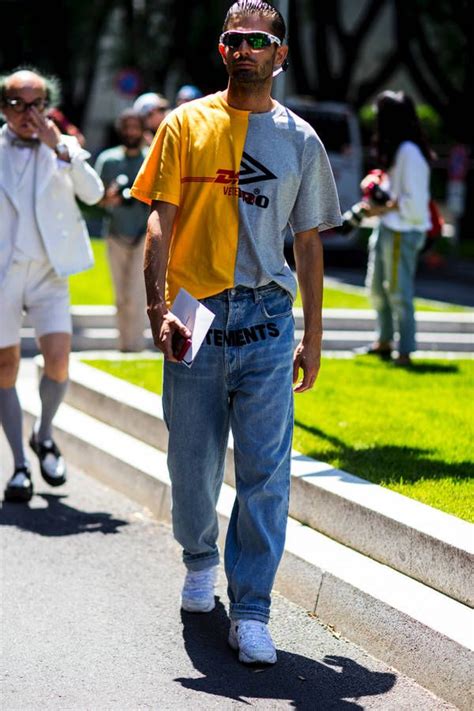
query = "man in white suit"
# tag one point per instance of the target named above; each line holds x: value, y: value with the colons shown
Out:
x: 43, y: 239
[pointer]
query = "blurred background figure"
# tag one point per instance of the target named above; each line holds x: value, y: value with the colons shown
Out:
x: 405, y: 156
x: 152, y: 107
x: 65, y: 125
x: 43, y: 240
x: 187, y: 92
x: 125, y: 226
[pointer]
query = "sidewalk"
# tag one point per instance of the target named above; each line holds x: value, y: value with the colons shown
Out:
x: 91, y: 622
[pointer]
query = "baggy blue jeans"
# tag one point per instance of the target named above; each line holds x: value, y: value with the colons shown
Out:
x: 240, y: 379
x: 393, y: 257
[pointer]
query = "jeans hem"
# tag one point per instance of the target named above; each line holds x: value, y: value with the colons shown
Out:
x: 239, y: 611
x: 201, y: 562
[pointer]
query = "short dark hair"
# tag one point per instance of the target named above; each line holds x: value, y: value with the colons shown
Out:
x: 52, y: 84
x: 247, y: 8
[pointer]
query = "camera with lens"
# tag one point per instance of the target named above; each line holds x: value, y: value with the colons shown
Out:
x: 372, y: 193
x: 123, y: 184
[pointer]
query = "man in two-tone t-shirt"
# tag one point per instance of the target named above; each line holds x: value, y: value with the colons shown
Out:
x: 225, y: 176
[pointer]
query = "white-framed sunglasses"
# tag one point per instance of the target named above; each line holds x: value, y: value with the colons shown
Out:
x: 255, y: 39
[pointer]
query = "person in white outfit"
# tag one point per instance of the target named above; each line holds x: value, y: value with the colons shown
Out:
x: 43, y: 239
x: 394, y: 246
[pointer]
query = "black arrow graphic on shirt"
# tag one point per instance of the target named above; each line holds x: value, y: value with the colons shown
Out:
x: 251, y: 171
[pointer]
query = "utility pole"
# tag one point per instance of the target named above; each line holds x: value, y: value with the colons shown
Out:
x: 279, y: 83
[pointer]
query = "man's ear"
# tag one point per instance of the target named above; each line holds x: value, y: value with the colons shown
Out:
x: 222, y: 52
x: 281, y: 57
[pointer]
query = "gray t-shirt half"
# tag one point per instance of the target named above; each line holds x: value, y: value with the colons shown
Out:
x: 128, y: 220
x: 285, y: 180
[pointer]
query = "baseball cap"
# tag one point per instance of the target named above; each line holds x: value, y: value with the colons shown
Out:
x: 188, y: 92
x: 149, y: 101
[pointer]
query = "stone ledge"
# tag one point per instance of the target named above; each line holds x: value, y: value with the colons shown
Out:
x: 417, y: 540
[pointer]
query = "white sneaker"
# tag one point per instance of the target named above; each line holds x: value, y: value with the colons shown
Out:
x: 198, y: 590
x: 253, y: 640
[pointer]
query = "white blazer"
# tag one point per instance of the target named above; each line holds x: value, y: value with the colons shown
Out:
x: 60, y: 221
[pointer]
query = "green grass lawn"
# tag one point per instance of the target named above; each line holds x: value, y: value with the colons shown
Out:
x: 355, y: 297
x: 410, y: 431
x: 95, y: 287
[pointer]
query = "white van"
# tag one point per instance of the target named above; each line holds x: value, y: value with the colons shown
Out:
x: 337, y: 126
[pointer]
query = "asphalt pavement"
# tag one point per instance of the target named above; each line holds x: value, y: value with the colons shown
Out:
x: 91, y: 620
x: 453, y: 283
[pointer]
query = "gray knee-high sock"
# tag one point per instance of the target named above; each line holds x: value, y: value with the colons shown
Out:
x: 51, y: 395
x: 11, y: 418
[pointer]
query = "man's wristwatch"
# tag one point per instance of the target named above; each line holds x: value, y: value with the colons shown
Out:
x: 62, y: 151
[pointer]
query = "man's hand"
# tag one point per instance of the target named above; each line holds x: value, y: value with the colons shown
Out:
x: 44, y: 128
x: 163, y: 326
x: 307, y: 356
x: 112, y: 197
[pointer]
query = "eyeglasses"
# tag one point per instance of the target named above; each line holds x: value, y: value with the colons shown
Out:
x: 19, y: 106
x: 255, y: 40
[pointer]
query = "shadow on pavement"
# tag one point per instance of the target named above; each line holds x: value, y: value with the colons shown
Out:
x: 413, y: 463
x: 308, y: 684
x: 57, y: 518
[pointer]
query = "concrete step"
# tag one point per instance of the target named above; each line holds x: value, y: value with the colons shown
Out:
x: 104, y: 317
x: 410, y: 626
x: 336, y: 340
x: 94, y: 328
x: 417, y: 540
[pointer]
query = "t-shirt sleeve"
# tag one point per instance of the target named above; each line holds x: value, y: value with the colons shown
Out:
x: 317, y: 202
x: 159, y: 177
x: 414, y: 183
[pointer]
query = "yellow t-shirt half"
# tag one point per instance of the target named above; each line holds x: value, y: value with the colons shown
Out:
x: 194, y: 163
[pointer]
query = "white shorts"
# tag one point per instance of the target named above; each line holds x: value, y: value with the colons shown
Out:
x: 35, y: 289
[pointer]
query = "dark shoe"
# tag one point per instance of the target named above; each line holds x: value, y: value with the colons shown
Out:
x: 52, y: 466
x: 384, y: 353
x: 19, y: 488
x: 403, y: 361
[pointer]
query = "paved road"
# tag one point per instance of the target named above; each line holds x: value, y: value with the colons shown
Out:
x: 91, y: 621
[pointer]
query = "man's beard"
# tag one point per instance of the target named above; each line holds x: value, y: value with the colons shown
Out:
x: 250, y: 75
x: 132, y: 142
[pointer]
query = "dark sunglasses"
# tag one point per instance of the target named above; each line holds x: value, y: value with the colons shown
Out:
x: 255, y: 40
x: 19, y: 106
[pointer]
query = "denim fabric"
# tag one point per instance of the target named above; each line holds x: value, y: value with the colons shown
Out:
x: 391, y: 272
x: 240, y: 379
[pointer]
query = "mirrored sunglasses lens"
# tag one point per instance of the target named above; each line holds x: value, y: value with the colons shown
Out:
x: 258, y: 40
x: 233, y: 39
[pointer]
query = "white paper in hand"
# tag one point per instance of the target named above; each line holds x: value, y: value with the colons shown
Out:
x: 194, y: 316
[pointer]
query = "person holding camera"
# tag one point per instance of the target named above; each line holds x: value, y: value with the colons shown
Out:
x: 403, y: 153
x: 43, y: 239
x: 125, y: 227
